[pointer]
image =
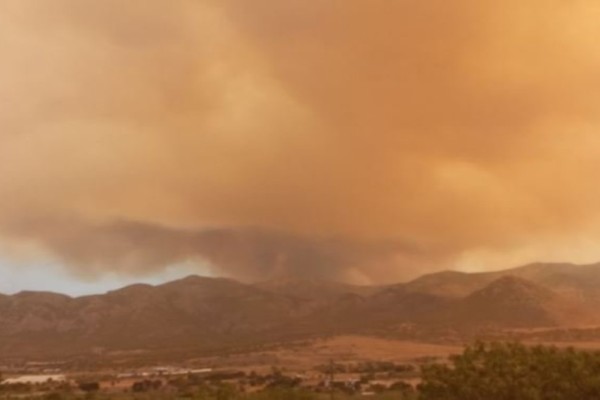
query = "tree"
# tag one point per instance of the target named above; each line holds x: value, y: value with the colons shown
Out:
x: 512, y: 371
x: 89, y: 387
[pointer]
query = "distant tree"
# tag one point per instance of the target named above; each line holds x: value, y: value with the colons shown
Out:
x: 145, y: 385
x: 89, y: 387
x: 226, y: 392
x: 511, y: 371
x: 283, y: 381
x: 53, y: 396
x: 283, y: 394
x: 402, y: 388
x: 377, y: 388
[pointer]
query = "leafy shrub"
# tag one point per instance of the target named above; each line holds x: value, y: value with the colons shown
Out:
x: 511, y: 371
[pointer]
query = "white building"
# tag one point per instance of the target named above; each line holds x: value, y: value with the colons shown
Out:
x: 33, y: 379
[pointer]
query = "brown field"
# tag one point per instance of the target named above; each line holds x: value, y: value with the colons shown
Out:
x: 305, y: 355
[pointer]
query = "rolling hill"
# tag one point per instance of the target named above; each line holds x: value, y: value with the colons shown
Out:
x: 214, y: 313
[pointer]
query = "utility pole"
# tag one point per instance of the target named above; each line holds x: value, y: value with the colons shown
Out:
x: 331, y: 379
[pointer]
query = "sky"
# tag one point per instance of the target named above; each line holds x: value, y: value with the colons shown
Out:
x: 368, y: 142
x: 55, y: 278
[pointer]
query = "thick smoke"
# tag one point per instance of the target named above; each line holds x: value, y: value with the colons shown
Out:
x: 366, y: 141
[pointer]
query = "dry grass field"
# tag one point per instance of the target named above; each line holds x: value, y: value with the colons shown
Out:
x: 305, y: 355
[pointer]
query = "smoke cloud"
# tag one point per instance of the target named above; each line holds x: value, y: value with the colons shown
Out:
x: 363, y: 141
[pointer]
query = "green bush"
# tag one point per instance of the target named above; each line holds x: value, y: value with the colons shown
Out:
x: 511, y: 371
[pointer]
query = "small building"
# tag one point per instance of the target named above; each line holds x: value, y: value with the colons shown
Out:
x: 33, y: 379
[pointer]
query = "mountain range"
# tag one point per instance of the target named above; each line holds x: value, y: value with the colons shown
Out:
x: 215, y: 313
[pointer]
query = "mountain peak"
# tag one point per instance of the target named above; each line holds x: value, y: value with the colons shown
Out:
x: 41, y: 295
x: 511, y: 301
x: 512, y: 289
x: 193, y: 280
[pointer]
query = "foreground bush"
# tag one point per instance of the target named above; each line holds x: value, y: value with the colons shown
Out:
x: 514, y: 372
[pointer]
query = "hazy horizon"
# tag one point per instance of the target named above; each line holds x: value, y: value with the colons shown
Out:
x: 57, y: 279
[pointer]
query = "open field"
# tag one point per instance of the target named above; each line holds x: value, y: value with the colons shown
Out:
x: 305, y: 355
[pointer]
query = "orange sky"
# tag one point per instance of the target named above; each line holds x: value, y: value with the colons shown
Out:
x: 366, y: 141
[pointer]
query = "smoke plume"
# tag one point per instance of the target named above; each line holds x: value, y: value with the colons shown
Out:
x: 364, y: 141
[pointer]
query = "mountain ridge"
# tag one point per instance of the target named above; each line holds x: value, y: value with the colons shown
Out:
x: 204, y: 312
